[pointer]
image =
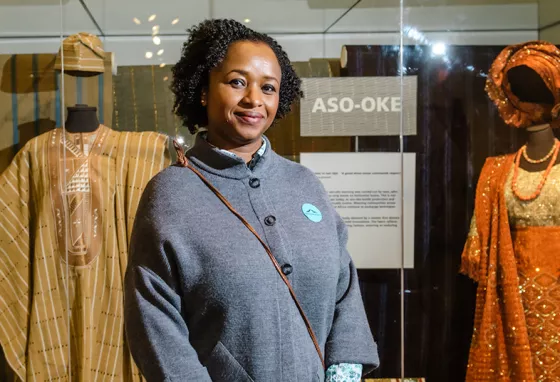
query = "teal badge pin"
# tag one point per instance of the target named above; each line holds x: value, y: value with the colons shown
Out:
x: 312, y: 212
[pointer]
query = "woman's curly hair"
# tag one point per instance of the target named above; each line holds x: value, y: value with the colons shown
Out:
x: 204, y: 50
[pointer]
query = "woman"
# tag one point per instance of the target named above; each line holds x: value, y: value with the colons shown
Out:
x: 206, y: 299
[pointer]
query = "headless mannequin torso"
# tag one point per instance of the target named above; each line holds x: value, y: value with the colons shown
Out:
x: 82, y: 119
x: 539, y: 142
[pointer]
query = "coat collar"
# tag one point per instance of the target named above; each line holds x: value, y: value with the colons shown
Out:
x: 227, y: 164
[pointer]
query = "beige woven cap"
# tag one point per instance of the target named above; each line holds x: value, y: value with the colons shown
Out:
x: 83, y: 52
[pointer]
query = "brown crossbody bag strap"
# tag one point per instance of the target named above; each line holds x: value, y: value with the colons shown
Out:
x: 184, y: 162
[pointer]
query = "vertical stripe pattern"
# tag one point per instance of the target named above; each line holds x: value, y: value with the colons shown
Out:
x: 101, y: 100
x: 15, y: 112
x: 33, y: 326
x: 36, y: 105
x: 79, y: 89
x: 57, y: 101
x: 33, y: 100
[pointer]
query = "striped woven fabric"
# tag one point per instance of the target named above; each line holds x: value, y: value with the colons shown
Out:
x: 54, y: 258
x: 31, y: 100
x: 83, y: 52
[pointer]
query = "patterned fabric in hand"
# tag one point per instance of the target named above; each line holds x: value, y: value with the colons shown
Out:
x: 344, y: 372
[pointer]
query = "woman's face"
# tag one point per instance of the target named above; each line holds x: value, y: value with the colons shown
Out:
x: 243, y: 94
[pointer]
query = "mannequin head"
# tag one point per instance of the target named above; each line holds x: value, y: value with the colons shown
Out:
x: 524, y: 83
x: 528, y: 86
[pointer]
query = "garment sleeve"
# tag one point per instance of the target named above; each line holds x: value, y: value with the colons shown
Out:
x: 15, y: 261
x: 350, y: 339
x: 344, y: 372
x: 156, y: 330
x: 470, y: 259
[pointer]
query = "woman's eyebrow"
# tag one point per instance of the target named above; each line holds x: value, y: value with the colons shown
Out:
x: 246, y: 73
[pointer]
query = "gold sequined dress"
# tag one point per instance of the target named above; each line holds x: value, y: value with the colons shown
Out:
x: 535, y: 229
x: 513, y: 252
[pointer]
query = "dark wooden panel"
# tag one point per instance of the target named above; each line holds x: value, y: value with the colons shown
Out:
x: 458, y: 127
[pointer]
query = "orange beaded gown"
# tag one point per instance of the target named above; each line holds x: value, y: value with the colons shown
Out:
x: 513, y: 252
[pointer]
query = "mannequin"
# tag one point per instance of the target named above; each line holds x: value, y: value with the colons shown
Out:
x: 513, y: 244
x: 528, y: 86
x: 81, y: 119
x: 67, y: 206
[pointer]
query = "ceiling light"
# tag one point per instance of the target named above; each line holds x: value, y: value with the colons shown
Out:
x: 175, y: 21
x: 149, y: 54
x: 162, y: 65
x: 160, y: 52
x: 247, y: 20
x: 136, y: 21
x: 152, y: 18
x: 156, y: 40
x: 165, y: 78
x: 155, y: 29
x: 439, y: 49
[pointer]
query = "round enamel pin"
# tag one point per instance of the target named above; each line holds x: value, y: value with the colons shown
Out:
x: 312, y: 212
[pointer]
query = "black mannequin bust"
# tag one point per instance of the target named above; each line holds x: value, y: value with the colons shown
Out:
x: 528, y: 86
x: 82, y: 119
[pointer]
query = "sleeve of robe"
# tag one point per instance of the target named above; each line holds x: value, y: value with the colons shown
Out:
x: 350, y: 340
x: 155, y: 328
x: 15, y: 263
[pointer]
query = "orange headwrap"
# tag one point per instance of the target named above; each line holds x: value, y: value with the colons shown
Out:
x: 544, y: 59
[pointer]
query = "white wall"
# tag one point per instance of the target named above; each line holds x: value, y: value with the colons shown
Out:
x: 549, y: 13
x: 551, y: 34
x: 296, y: 26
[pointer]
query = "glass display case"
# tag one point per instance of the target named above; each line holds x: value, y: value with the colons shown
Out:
x: 429, y: 124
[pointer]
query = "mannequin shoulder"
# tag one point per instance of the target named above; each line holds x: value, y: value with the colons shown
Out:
x: 145, y: 144
x: 144, y: 137
x: 498, y: 161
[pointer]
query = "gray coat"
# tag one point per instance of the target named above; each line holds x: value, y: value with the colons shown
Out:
x: 203, y: 301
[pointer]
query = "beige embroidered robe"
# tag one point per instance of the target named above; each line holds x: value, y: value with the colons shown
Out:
x: 67, y: 205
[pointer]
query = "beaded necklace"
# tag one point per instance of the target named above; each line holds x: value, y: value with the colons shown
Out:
x: 537, y: 192
x: 542, y: 160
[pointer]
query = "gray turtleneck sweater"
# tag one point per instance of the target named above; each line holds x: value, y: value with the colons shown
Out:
x: 203, y: 301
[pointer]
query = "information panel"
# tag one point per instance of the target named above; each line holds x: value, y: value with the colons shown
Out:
x: 358, y: 106
x: 365, y: 189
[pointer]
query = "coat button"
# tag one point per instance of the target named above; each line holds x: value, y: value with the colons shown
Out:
x: 287, y: 269
x: 255, y: 183
x: 270, y: 220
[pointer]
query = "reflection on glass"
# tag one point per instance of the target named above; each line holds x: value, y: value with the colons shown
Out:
x: 439, y: 49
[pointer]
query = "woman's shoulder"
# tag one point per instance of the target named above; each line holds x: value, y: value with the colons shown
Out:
x: 169, y: 183
x: 296, y: 171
